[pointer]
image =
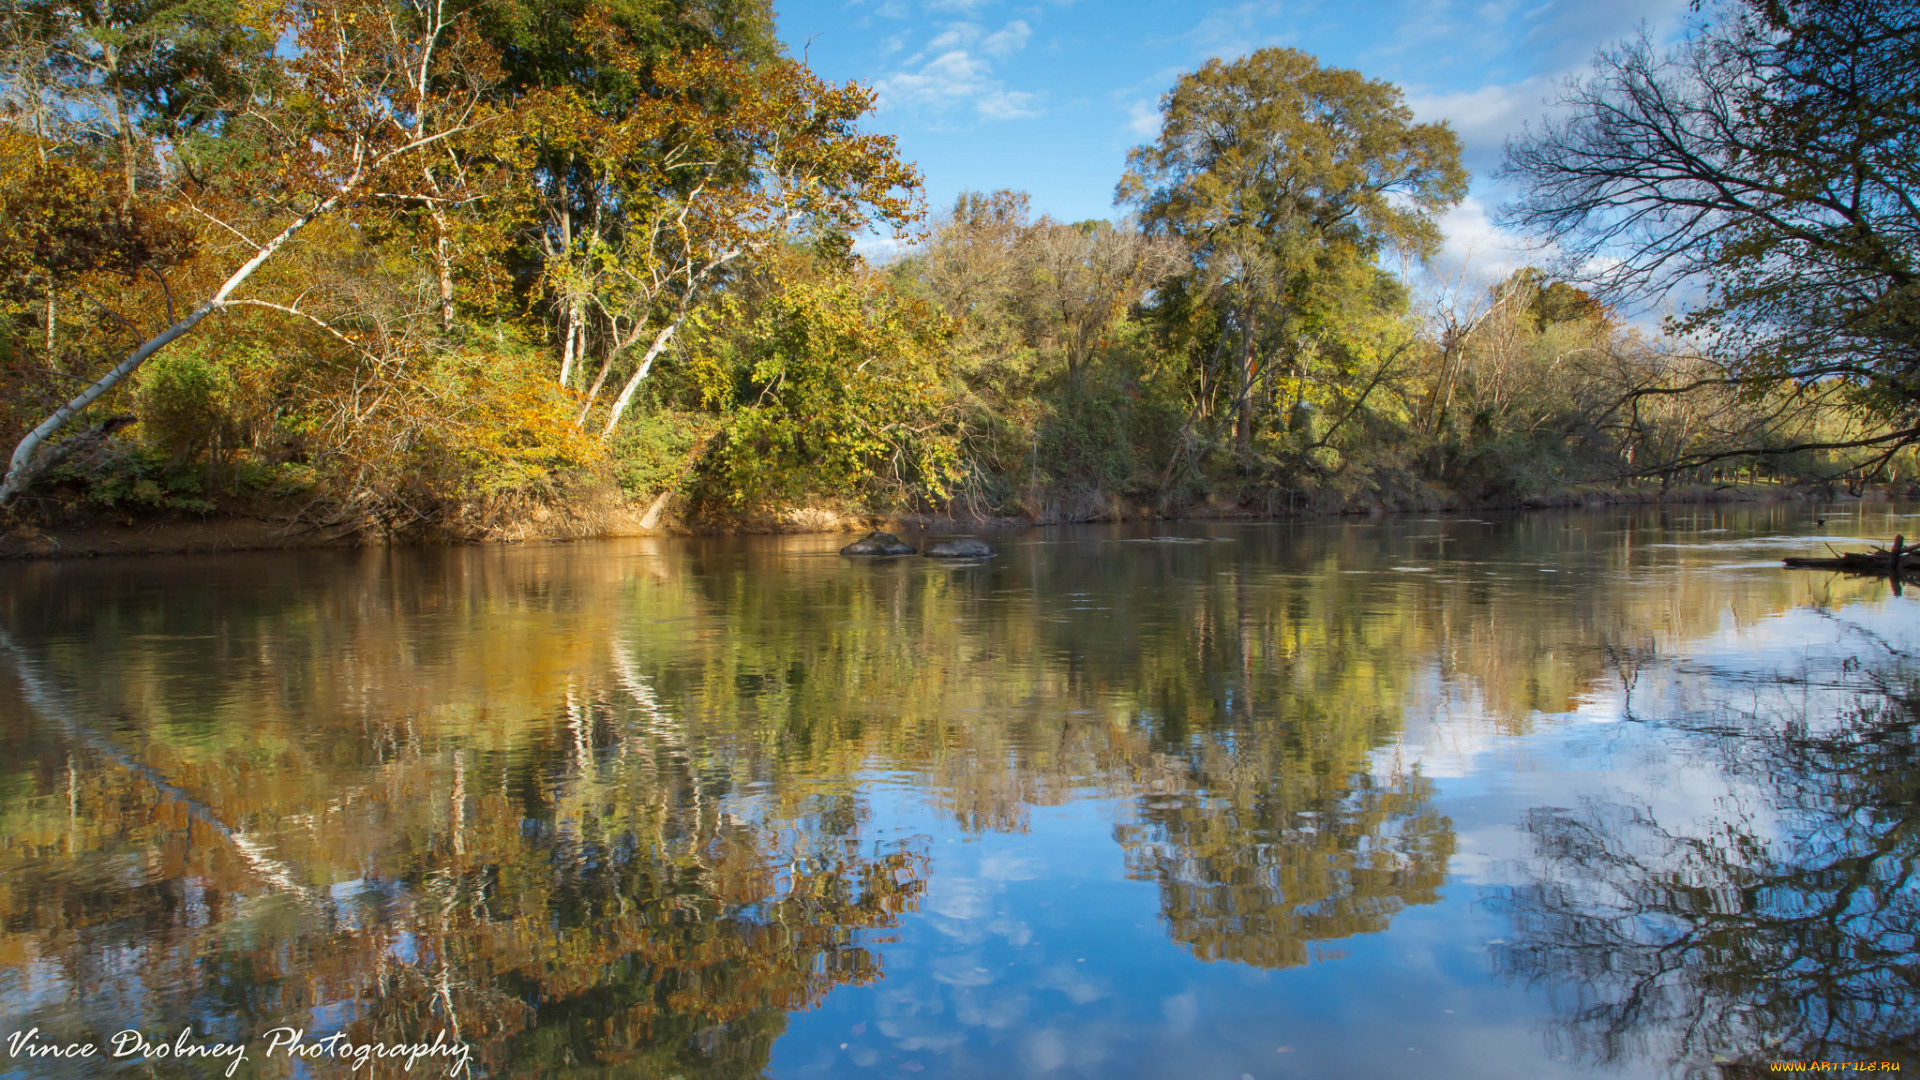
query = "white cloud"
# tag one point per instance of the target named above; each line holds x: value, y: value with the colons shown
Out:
x: 1235, y: 30
x: 956, y: 70
x: 958, y: 35
x: 1143, y: 118
x: 1008, y: 40
x: 1484, y: 118
x: 1141, y: 101
x: 948, y: 77
x: 1476, y: 245
x: 1005, y: 105
x: 880, y: 250
x: 965, y: 7
x: 1565, y: 32
x: 1489, y: 110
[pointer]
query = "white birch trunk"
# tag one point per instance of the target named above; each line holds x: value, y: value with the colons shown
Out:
x: 21, y: 469
x: 633, y: 384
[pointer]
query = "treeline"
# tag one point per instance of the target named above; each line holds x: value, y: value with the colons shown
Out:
x: 416, y: 267
x: 1101, y: 372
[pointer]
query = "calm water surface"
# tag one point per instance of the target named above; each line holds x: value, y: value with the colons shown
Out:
x: 1562, y: 795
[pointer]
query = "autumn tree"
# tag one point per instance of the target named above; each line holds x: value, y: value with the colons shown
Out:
x: 1040, y: 311
x: 661, y: 148
x: 130, y: 72
x: 1766, y: 165
x: 1057, y: 288
x: 575, y: 71
x: 366, y: 94
x: 1286, y: 180
x: 740, y: 158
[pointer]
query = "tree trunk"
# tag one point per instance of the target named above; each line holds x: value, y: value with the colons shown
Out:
x: 1243, y: 407
x: 442, y: 248
x: 593, y: 392
x: 443, y: 262
x: 23, y: 467
x: 646, y: 364
x: 125, y: 122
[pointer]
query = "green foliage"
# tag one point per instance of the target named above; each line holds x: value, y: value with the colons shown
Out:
x: 184, y: 401
x: 834, y: 389
x: 1287, y: 180
x: 655, y: 450
x: 132, y: 476
x: 641, y: 230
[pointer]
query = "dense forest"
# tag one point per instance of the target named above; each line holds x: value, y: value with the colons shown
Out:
x: 419, y: 267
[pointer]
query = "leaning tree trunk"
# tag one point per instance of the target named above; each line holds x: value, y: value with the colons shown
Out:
x: 1243, y: 412
x: 633, y: 384
x: 27, y: 462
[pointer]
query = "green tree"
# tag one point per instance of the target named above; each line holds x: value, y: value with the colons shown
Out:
x: 1044, y: 316
x: 832, y: 387
x: 130, y: 71
x: 1285, y: 178
x: 579, y: 69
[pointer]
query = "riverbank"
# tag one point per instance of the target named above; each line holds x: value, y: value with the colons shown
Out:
x: 79, y: 533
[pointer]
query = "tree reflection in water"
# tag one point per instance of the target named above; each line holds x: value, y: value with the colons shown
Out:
x: 1261, y: 862
x: 1787, y: 931
x: 609, y: 808
x: 587, y: 911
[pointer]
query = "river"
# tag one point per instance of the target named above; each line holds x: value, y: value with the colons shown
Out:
x: 1566, y: 794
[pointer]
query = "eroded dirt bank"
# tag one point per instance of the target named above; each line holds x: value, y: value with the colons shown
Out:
x: 89, y: 534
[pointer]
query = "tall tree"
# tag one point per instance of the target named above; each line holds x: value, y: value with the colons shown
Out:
x: 132, y: 71
x: 1768, y: 164
x: 737, y: 158
x: 1282, y: 176
x: 581, y: 70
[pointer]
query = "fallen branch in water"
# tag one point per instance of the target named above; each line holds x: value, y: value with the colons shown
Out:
x: 1880, y: 561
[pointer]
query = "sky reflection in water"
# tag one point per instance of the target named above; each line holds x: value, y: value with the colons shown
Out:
x: 1202, y: 800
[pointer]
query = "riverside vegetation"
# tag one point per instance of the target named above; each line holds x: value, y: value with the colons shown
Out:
x: 422, y: 267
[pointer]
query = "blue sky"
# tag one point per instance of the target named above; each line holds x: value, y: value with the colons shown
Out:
x: 1048, y: 96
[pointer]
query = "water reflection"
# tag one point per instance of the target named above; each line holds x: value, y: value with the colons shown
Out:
x: 1264, y: 853
x: 612, y: 808
x: 594, y: 903
x: 1784, y: 927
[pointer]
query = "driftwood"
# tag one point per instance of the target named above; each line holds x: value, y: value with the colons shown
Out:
x: 1898, y: 559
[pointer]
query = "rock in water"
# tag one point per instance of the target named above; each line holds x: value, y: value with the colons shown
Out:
x: 878, y: 543
x: 966, y: 548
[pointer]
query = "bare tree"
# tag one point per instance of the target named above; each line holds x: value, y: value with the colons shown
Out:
x: 1768, y: 163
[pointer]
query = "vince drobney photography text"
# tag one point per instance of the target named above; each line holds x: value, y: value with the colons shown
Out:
x: 444, y: 1052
